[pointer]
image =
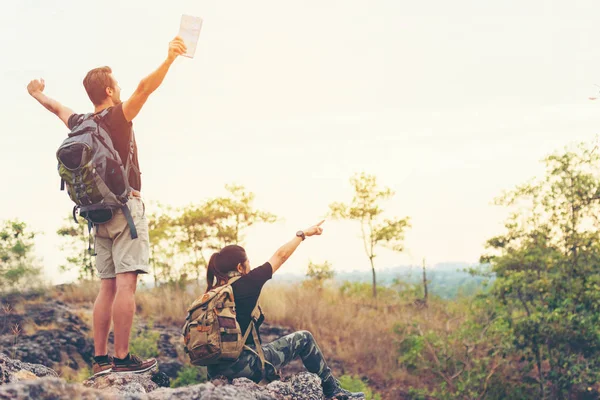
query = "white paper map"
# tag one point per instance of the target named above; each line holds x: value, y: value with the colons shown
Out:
x: 189, y: 31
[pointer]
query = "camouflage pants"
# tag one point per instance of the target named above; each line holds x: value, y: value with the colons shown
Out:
x: 277, y: 354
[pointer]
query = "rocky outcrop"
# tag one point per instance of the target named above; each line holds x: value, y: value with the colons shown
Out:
x: 58, y: 337
x: 68, y: 346
x: 41, y: 311
x: 304, y: 386
x: 127, y: 384
x: 61, y: 337
x: 41, y: 383
x: 15, y: 371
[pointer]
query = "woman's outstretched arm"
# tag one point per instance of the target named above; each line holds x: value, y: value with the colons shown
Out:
x: 285, y: 251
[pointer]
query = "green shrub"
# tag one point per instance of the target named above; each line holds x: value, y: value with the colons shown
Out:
x: 355, y: 384
x: 418, y: 394
x: 364, y: 290
x: 189, y: 375
x: 145, y: 344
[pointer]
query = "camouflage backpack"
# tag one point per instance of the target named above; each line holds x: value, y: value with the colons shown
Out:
x: 211, y: 333
x: 93, y: 172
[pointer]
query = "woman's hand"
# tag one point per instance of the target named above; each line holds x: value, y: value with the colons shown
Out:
x: 285, y: 251
x: 314, y: 230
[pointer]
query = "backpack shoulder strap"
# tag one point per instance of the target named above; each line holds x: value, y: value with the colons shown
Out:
x: 232, y: 280
x: 257, y: 312
x: 258, y: 348
x: 99, y: 116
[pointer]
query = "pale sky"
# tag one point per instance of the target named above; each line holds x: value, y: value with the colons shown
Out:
x: 447, y: 102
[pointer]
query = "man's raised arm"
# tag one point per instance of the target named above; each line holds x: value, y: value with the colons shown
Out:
x: 149, y: 84
x: 36, y: 90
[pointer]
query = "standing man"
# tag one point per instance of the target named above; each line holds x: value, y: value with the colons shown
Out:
x: 119, y: 257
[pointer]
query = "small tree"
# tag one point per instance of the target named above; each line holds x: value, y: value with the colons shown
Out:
x: 161, y: 227
x: 18, y: 269
x: 365, y: 208
x: 237, y: 213
x: 425, y: 291
x: 318, y: 274
x: 196, y: 233
x: 77, y: 245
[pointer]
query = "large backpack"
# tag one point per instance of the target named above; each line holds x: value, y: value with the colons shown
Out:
x: 93, y: 172
x: 211, y: 333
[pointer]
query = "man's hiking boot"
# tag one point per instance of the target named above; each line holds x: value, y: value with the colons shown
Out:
x: 332, y: 390
x: 132, y: 364
x: 101, y: 365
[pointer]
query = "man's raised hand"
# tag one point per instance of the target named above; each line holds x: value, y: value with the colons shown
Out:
x: 36, y: 88
x: 176, y: 48
x: 36, y: 85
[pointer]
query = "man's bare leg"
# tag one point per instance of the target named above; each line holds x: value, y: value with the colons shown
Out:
x: 102, y: 315
x: 123, y: 311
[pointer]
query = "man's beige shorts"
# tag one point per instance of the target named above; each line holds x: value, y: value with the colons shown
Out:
x: 116, y: 252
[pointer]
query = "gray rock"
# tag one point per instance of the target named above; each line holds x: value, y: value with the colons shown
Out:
x: 304, y: 386
x: 10, y: 368
x: 161, y: 379
x: 140, y: 387
x: 52, y: 346
x: 169, y: 367
x: 239, y: 390
x: 64, y: 339
x: 54, y: 388
x: 123, y: 383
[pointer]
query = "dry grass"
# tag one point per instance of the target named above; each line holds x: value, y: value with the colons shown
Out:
x: 30, y: 327
x: 82, y: 292
x: 359, y: 332
x: 166, y: 304
x: 74, y: 375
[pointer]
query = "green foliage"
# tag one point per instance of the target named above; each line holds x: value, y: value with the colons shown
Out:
x: 418, y: 394
x: 318, y: 274
x: 77, y: 242
x: 196, y: 233
x: 145, y: 343
x: 355, y: 384
x: 18, y: 269
x: 238, y: 214
x: 365, y: 209
x: 410, y: 349
x: 77, y: 376
x: 189, y: 375
x: 466, y: 362
x: 362, y: 290
x: 161, y: 226
x: 547, y: 268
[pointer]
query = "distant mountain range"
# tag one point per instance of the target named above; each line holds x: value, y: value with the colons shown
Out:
x: 445, y: 280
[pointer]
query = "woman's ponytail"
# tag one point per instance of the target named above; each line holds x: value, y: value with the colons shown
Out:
x: 210, y: 271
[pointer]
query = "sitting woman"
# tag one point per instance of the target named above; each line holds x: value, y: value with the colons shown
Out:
x: 231, y: 262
